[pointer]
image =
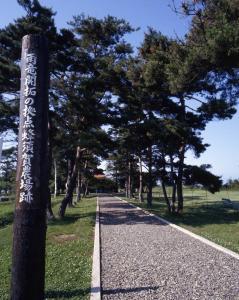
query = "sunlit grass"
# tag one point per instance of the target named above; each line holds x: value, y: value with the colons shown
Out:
x: 68, y: 254
x: 204, y: 215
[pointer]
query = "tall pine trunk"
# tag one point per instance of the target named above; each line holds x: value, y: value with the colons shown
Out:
x: 181, y: 160
x: 86, y: 188
x: 141, y: 199
x: 172, y: 176
x: 117, y: 181
x: 180, y: 179
x: 150, y: 179
x: 129, y: 181
x: 71, y: 183
x: 71, y: 164
x: 50, y: 214
x: 166, y: 196
x: 84, y: 183
x: 78, y: 190
x: 174, y: 189
x: 126, y: 187
x: 83, y: 188
x: 55, y: 180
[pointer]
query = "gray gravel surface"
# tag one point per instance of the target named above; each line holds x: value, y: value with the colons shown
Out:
x: 145, y: 259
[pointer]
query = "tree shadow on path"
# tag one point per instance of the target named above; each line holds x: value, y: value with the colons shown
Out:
x: 66, y: 294
x: 129, y: 290
x: 116, y: 213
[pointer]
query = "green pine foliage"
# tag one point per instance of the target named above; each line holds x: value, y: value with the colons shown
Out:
x: 146, y: 108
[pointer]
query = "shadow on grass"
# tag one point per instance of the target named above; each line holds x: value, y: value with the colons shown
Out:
x: 199, y: 215
x: 6, y: 219
x: 194, y: 215
x: 193, y: 198
x: 67, y: 220
x: 90, y: 215
x: 72, y: 218
x: 66, y: 294
x: 90, y: 196
x: 186, y: 198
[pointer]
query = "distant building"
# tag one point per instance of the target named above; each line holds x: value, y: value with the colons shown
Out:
x: 100, y: 176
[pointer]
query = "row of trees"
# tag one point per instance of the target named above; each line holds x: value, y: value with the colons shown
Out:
x: 174, y: 89
x: 141, y: 112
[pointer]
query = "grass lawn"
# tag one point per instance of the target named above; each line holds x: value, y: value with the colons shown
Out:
x: 68, y: 255
x: 204, y: 215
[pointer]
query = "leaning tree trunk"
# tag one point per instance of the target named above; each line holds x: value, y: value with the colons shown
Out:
x: 181, y: 160
x: 83, y: 188
x: 86, y: 192
x: 132, y: 189
x: 129, y: 181
x: 69, y: 171
x: 117, y: 181
x: 167, y: 200
x: 166, y: 196
x: 78, y: 192
x: 70, y: 167
x: 150, y: 179
x: 174, y: 190
x: 50, y: 214
x: 71, y: 184
x: 180, y: 179
x: 174, y: 187
x: 126, y: 187
x: 55, y: 179
x: 141, y: 199
x: 84, y: 181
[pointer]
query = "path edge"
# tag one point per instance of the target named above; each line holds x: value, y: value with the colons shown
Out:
x: 185, y: 231
x: 96, y: 269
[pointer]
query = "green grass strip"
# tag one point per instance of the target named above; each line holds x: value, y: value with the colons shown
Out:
x: 68, y: 254
x: 203, y: 216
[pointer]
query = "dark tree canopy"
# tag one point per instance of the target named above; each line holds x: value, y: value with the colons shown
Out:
x: 141, y: 111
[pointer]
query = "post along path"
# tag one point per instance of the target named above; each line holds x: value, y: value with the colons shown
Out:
x: 144, y: 258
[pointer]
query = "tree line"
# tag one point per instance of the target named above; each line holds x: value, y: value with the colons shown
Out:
x: 141, y: 112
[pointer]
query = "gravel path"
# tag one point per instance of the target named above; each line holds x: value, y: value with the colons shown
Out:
x: 145, y: 259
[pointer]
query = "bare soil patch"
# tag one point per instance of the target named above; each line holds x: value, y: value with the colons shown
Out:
x: 65, y: 237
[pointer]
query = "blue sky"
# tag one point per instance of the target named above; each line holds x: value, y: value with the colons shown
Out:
x: 223, y: 152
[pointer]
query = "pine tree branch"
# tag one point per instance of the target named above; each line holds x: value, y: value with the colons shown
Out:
x: 191, y: 97
x: 191, y: 108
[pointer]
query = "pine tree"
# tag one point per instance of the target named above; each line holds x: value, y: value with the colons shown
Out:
x: 86, y: 89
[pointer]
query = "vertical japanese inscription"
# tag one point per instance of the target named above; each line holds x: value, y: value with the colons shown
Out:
x: 29, y: 228
x: 28, y: 133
